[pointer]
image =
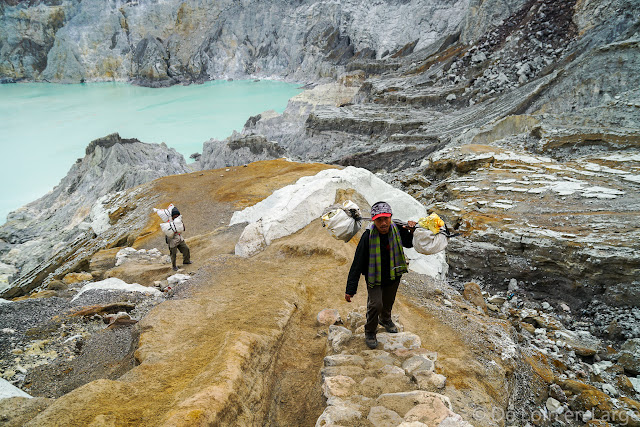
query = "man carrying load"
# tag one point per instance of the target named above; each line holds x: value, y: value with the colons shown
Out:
x: 177, y: 243
x: 380, y: 258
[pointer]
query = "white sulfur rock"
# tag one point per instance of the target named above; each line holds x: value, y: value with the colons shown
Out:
x: 610, y: 390
x: 9, y: 390
x: 115, y: 284
x: 177, y: 279
x: 142, y: 256
x: 553, y: 405
x: 99, y: 216
x: 338, y: 336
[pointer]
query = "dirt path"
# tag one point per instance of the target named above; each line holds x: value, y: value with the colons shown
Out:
x: 239, y: 344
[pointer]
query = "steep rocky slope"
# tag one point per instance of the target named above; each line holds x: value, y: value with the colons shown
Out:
x: 45, y: 233
x: 244, y: 339
x: 161, y: 43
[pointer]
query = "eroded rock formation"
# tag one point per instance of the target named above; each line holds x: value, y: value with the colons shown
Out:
x: 45, y: 233
x: 162, y: 43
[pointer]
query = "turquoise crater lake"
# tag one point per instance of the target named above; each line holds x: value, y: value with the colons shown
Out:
x: 45, y: 127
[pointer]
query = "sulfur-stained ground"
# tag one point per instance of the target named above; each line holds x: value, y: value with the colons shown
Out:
x: 240, y: 345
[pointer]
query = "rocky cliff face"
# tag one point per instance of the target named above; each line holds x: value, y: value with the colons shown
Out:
x: 42, y: 232
x: 161, y: 43
x: 28, y: 33
x: 239, y: 150
x: 525, y: 136
x: 457, y: 93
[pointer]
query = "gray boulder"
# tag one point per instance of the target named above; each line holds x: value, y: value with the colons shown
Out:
x: 238, y: 150
x: 630, y: 356
x: 150, y: 60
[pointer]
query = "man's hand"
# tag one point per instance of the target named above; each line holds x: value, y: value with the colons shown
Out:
x: 411, y: 224
x: 348, y: 297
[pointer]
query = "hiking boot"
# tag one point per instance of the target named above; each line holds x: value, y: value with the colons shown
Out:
x: 175, y: 268
x: 389, y: 326
x: 370, y: 340
x: 188, y: 262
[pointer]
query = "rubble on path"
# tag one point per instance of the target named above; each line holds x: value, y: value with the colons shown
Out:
x: 394, y: 385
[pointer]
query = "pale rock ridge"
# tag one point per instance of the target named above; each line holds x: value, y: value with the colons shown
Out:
x: 173, y: 41
x: 291, y: 208
x: 238, y: 150
x: 250, y: 145
x: 61, y: 220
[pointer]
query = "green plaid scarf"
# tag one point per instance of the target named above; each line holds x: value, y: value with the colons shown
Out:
x: 398, y: 264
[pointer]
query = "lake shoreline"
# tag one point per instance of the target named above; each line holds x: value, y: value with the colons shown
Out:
x: 183, y: 117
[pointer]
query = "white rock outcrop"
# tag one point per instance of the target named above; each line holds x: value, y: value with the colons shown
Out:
x: 141, y: 256
x: 115, y: 284
x: 9, y: 390
x: 293, y: 207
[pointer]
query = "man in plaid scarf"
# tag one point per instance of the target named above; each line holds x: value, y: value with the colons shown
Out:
x: 380, y: 258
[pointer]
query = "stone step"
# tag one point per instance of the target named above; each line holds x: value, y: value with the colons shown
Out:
x: 393, y: 385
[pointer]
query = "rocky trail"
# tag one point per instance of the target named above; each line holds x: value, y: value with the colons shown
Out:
x: 394, y: 385
x: 247, y: 340
x: 238, y: 342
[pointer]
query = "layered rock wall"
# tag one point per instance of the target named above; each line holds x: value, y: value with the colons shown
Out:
x: 525, y: 136
x: 172, y: 41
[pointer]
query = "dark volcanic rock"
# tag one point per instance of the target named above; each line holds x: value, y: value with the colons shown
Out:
x: 107, y: 142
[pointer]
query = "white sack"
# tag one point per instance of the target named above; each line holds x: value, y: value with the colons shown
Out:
x: 428, y: 243
x: 164, y: 214
x: 341, y: 225
x: 348, y: 205
x: 172, y: 227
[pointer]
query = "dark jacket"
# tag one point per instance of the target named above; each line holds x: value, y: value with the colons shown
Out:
x: 360, y: 263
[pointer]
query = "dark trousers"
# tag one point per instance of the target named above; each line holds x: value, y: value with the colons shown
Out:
x: 379, y: 304
x: 184, y: 250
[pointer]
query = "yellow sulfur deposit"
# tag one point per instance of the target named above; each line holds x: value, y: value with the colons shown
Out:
x: 432, y: 223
